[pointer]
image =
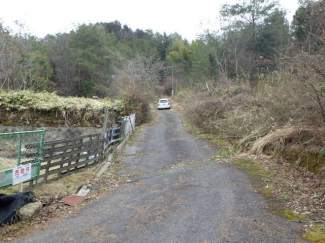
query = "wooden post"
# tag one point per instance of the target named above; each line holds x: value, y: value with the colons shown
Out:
x: 98, y: 150
x: 113, y: 115
x: 122, y: 129
x: 105, y: 130
x: 21, y: 187
x: 66, y: 144
x: 71, y: 156
x: 49, y: 163
x: 105, y: 121
x: 112, y: 126
x: 78, y: 155
x: 89, y: 146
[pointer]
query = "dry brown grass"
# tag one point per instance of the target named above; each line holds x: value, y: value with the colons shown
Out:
x: 242, y: 114
x: 301, y: 146
x: 274, y: 139
x: 280, y: 117
x: 233, y: 112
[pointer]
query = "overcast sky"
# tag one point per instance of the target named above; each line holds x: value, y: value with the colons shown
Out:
x: 186, y: 17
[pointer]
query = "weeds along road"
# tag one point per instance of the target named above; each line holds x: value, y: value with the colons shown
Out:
x: 177, y: 194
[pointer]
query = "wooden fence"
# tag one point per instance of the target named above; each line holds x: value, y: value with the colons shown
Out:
x: 62, y: 157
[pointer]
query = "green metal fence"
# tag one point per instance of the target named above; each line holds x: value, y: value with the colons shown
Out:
x: 19, y: 150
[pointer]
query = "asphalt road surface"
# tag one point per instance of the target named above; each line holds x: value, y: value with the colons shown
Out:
x: 177, y: 194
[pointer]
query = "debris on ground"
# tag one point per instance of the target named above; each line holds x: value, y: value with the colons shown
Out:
x: 10, y: 204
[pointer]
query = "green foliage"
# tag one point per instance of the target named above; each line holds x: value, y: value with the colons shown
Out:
x: 309, y: 23
x: 274, y: 35
x: 90, y: 48
x: 251, y: 12
x: 162, y: 43
x: 255, y: 33
x: 315, y: 234
x: 179, y: 54
x: 201, y: 60
x: 85, y: 60
x: 286, y: 197
x: 228, y: 152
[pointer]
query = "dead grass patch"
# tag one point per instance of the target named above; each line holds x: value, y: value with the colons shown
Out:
x: 300, y: 146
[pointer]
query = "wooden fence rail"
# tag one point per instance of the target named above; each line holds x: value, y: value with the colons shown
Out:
x: 62, y: 157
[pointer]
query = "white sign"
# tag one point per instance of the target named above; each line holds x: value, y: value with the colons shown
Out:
x: 21, y: 173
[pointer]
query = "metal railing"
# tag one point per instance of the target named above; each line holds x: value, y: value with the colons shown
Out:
x: 20, y: 148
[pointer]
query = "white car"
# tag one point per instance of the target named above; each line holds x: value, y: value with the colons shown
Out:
x: 164, y: 104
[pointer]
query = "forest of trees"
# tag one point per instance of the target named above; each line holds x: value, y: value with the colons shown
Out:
x: 103, y: 58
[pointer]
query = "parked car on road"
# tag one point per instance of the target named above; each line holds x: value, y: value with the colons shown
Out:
x: 164, y: 104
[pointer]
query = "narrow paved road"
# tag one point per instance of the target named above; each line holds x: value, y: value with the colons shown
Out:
x: 177, y: 194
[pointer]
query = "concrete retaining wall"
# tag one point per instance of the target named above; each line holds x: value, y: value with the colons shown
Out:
x: 52, y: 133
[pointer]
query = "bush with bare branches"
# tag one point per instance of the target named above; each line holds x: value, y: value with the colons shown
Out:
x: 140, y: 74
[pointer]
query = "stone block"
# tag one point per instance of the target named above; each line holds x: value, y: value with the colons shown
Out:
x: 30, y: 210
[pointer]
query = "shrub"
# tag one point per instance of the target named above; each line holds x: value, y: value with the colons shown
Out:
x: 39, y: 109
x: 139, y: 104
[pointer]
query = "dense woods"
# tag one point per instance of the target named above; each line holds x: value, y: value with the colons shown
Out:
x: 84, y: 62
x: 258, y: 73
x: 89, y: 60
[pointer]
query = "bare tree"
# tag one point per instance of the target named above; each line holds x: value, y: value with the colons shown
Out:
x: 140, y: 74
x: 311, y: 73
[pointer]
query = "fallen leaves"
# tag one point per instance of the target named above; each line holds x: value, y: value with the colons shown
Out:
x: 298, y: 189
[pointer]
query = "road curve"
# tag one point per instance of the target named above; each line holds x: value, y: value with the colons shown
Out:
x: 177, y: 193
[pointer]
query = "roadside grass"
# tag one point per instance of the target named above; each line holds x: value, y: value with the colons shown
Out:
x: 66, y: 185
x: 135, y: 136
x: 293, y: 216
x: 185, y: 122
x: 226, y: 153
x: 193, y: 130
x: 254, y: 171
x: 9, y: 190
x: 316, y: 234
x: 197, y: 132
x: 213, y: 138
